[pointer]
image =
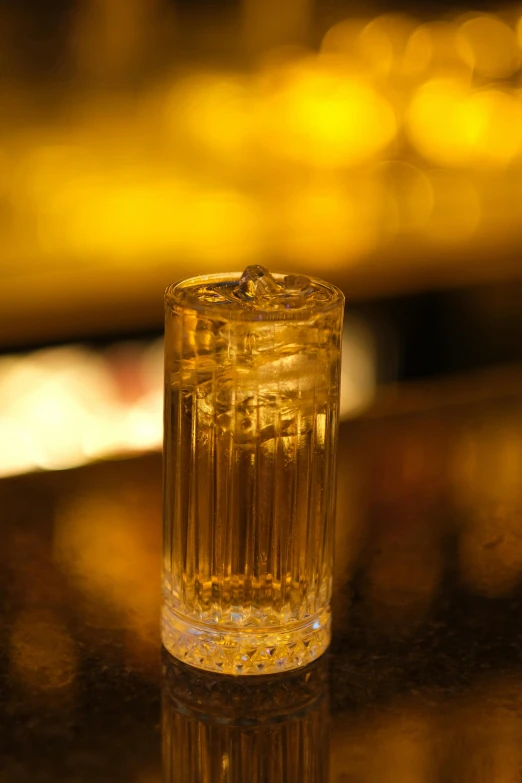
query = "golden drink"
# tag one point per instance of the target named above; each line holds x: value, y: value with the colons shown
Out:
x: 251, y: 414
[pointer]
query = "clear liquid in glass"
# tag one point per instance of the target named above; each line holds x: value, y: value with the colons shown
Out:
x: 251, y: 414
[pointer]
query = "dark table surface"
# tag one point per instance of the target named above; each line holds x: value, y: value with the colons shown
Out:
x: 423, y: 681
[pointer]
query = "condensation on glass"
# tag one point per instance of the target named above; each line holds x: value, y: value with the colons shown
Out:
x: 252, y: 367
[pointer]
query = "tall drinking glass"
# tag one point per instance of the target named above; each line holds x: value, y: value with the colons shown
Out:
x: 252, y: 366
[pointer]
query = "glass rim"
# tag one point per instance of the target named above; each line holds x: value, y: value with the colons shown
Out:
x: 242, y: 312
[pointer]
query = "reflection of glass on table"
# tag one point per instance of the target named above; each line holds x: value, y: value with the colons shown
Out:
x: 251, y: 412
x: 274, y: 729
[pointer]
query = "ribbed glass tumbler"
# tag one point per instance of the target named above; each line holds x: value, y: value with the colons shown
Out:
x: 252, y: 366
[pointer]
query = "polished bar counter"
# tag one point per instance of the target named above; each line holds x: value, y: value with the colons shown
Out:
x: 423, y: 681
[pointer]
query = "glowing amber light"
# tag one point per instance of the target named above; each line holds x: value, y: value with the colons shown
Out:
x: 456, y: 208
x: 343, y: 38
x: 490, y: 46
x: 500, y: 138
x: 325, y: 221
x: 327, y: 117
x: 193, y: 167
x: 216, y: 112
x: 383, y: 42
x: 418, y: 51
x: 433, y: 47
x: 101, y: 542
x: 96, y: 216
x: 452, y: 125
x: 486, y: 474
x: 222, y: 226
x: 405, y: 196
x: 444, y: 123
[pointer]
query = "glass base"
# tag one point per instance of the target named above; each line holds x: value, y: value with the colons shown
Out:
x: 240, y: 652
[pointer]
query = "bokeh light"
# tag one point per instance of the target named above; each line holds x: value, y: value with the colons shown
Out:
x: 487, y: 472
x: 405, y: 197
x: 440, y: 51
x: 216, y: 114
x: 307, y: 156
x: 489, y: 46
x: 111, y: 558
x: 65, y: 407
x: 500, y: 137
x: 325, y: 221
x: 456, y: 210
x: 342, y: 39
x: 383, y: 44
x: 327, y: 117
x: 62, y: 407
x: 444, y: 122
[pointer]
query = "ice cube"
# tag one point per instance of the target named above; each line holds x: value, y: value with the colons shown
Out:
x: 257, y: 283
x: 296, y: 284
